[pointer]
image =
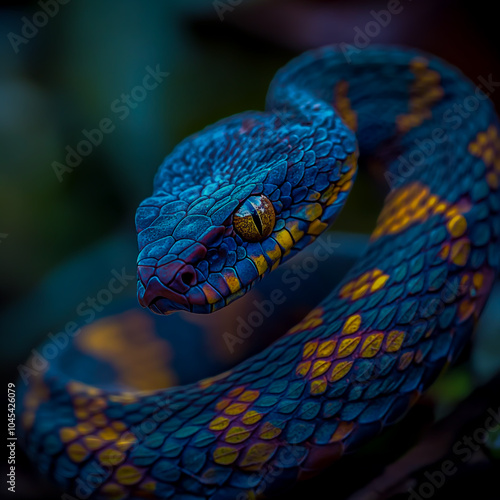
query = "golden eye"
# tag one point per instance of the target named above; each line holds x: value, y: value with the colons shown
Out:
x: 255, y: 218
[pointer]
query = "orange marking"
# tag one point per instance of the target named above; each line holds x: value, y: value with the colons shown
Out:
x: 312, y: 320
x: 343, y: 105
x: 128, y: 342
x: 424, y: 93
x: 399, y: 211
x: 367, y: 283
x: 222, y: 404
x: 343, y: 430
x: 235, y: 392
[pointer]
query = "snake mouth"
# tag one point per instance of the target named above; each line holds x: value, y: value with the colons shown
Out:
x: 163, y: 307
x: 159, y: 298
x: 163, y: 301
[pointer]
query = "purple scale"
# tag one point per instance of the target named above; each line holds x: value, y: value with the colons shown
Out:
x: 193, y: 253
x: 167, y: 272
x: 212, y: 236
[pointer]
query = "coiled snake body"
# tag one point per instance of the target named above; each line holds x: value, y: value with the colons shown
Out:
x: 233, y: 202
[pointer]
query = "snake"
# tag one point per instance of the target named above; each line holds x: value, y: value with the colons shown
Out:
x: 236, y: 200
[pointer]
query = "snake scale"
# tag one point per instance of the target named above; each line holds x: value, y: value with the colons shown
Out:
x: 233, y: 202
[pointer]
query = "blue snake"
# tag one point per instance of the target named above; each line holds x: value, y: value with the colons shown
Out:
x: 233, y: 202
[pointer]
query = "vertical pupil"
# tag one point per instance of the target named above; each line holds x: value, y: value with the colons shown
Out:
x: 256, y: 218
x: 257, y: 222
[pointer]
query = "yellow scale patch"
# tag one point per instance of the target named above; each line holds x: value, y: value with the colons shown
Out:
x: 343, y: 430
x: 394, y: 341
x: 475, y: 284
x: 371, y: 345
x: 348, y: 346
x: 414, y: 203
x: 312, y: 320
x: 340, y: 370
x: 94, y: 431
x: 364, y: 285
x: 237, y: 435
x: 332, y: 192
x: 251, y: 417
x: 424, y: 93
x: 235, y: 406
x: 315, y: 366
x: 487, y: 146
x: 318, y: 386
x: 257, y: 455
x: 225, y: 455
x: 128, y: 474
x: 269, y: 431
x: 351, y: 325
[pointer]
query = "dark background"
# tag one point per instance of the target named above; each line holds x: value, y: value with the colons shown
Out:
x: 59, y: 239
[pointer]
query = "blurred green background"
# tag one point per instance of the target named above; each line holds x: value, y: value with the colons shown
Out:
x: 59, y: 238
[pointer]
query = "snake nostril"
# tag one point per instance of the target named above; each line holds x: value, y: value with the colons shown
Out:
x: 188, y: 278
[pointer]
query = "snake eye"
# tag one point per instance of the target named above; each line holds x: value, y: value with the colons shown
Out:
x: 255, y: 218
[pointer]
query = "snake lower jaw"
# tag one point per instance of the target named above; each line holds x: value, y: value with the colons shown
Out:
x: 159, y: 298
x: 163, y: 307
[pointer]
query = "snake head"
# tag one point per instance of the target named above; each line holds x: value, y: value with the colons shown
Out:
x: 233, y: 202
